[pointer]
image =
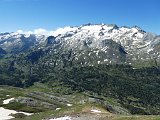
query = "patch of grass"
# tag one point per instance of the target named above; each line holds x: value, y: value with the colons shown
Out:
x: 7, y: 92
x: 19, y: 115
x: 73, y: 110
x: 22, y: 107
x: 11, y: 91
x: 40, y: 87
x: 36, y: 116
x: 112, y: 101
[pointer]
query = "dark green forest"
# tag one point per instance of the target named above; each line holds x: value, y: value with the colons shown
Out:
x: 138, y: 90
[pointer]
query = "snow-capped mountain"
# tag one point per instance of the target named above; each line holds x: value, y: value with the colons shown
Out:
x: 15, y: 42
x: 134, y: 43
x: 101, y: 42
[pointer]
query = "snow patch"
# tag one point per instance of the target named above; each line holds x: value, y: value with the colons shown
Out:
x: 69, y: 105
x: 149, y: 50
x: 28, y: 114
x: 7, y: 100
x: 89, y: 54
x: 105, y: 60
x: 58, y: 108
x: 95, y: 111
x: 5, y: 113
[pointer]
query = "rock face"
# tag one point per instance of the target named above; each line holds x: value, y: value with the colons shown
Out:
x: 15, y: 42
x: 117, y: 109
x: 35, y: 103
x: 2, y: 52
x: 109, y: 107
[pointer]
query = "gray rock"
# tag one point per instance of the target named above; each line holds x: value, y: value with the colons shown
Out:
x: 116, y: 109
x: 48, y: 105
x: 28, y: 101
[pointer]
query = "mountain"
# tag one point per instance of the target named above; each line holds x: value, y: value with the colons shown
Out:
x: 101, y: 43
x: 15, y: 42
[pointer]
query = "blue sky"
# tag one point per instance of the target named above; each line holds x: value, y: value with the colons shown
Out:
x: 51, y: 14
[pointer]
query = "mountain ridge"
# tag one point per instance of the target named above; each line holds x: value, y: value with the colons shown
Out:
x: 134, y: 43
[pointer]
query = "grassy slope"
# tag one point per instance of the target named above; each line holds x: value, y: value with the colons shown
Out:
x: 74, y: 110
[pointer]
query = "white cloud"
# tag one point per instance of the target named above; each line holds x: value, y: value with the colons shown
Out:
x: 20, y: 31
x: 39, y: 31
